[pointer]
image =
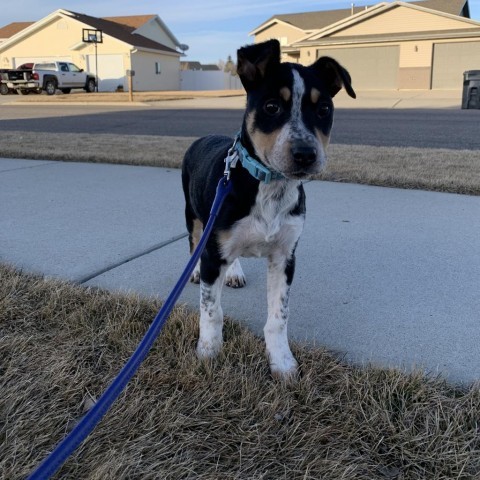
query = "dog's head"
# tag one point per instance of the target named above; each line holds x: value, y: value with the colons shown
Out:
x: 289, y: 107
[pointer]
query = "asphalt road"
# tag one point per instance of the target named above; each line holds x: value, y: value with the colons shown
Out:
x: 442, y: 128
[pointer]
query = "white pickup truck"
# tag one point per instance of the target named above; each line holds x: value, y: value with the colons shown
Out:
x: 50, y: 76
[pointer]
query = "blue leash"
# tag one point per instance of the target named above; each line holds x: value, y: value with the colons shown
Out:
x: 80, y: 432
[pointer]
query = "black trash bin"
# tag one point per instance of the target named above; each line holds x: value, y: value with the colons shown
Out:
x: 471, y: 89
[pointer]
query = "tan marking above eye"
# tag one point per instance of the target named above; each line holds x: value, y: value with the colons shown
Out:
x: 285, y: 93
x: 314, y: 95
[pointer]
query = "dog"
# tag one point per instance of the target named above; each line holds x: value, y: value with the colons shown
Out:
x: 282, y: 141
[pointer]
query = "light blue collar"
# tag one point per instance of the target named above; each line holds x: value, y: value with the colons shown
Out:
x: 254, y: 167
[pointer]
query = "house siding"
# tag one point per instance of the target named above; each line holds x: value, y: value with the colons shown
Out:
x: 401, y: 20
x: 153, y: 31
x: 278, y: 31
x: 146, y: 79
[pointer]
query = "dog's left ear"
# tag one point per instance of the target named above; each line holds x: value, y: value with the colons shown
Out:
x: 334, y: 75
x: 254, y: 61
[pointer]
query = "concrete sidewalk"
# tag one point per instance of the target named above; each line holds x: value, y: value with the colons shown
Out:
x: 383, y: 275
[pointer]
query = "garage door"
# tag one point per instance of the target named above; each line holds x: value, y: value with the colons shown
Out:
x: 21, y: 60
x: 450, y: 60
x: 371, y: 68
x: 111, y: 71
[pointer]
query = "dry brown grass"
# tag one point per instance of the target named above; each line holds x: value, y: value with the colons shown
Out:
x: 455, y: 171
x: 114, y: 97
x: 180, y: 418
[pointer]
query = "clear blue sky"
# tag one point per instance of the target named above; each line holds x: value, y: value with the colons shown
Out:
x: 213, y: 29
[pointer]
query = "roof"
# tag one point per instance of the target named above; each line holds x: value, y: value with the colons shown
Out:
x: 12, y: 28
x: 190, y: 65
x: 314, y: 20
x: 135, y: 21
x: 121, y: 31
x: 453, y: 7
x: 320, y: 19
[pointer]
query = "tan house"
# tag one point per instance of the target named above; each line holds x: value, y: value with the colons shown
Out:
x: 398, y: 45
x: 142, y: 43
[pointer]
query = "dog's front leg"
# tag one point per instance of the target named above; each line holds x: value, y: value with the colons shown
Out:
x: 279, y: 279
x: 212, y: 278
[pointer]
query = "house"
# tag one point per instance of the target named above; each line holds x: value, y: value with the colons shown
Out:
x: 142, y: 43
x: 425, y: 44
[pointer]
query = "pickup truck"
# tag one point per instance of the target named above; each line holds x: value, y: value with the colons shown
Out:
x: 50, y: 76
x: 9, y: 78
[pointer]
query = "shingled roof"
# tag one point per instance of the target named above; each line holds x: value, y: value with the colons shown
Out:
x: 321, y: 19
x: 133, y: 21
x: 123, y: 31
x: 13, y: 28
x: 453, y: 7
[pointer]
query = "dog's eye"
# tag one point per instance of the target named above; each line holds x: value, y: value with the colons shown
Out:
x: 324, y: 110
x: 272, y: 107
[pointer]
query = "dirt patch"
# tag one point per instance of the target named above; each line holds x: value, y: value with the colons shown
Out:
x: 455, y: 171
x: 61, y: 345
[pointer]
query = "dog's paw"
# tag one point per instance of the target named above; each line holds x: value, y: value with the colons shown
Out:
x: 285, y: 368
x: 195, y: 277
x: 235, y: 277
x: 206, y: 350
x: 236, y: 281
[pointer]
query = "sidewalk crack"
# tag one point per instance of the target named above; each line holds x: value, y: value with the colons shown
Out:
x: 112, y: 266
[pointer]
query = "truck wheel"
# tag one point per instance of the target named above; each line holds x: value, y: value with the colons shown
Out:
x: 50, y: 87
x: 90, y: 86
x: 3, y: 89
x: 66, y: 90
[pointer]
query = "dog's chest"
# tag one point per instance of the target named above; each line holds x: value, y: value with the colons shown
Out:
x: 269, y: 228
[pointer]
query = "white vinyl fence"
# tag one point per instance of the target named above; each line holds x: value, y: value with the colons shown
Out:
x: 208, y: 80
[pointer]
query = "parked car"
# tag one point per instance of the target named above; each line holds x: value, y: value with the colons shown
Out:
x: 50, y: 76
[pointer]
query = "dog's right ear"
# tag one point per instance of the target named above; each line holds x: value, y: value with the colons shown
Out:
x: 254, y: 61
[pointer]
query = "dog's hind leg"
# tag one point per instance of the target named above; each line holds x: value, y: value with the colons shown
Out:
x: 211, y: 313
x: 235, y: 277
x: 279, y: 278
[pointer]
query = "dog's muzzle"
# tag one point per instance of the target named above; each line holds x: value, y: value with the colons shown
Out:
x: 303, y: 154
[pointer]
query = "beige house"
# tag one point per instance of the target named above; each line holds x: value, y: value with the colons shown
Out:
x: 142, y: 43
x: 398, y: 45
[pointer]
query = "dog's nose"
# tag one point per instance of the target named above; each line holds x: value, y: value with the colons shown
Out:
x: 303, y: 154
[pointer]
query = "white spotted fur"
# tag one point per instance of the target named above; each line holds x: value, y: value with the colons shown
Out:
x: 269, y: 231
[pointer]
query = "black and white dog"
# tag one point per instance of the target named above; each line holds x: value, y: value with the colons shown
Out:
x: 283, y: 138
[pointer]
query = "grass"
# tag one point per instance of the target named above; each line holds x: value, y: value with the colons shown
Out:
x: 454, y: 171
x: 114, y: 97
x: 180, y: 418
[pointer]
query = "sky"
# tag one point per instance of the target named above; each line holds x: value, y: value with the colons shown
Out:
x: 213, y: 29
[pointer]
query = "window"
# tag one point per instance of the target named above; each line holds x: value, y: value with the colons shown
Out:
x: 73, y: 67
x: 158, y: 70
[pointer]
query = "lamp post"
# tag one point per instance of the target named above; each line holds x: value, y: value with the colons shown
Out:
x: 95, y: 37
